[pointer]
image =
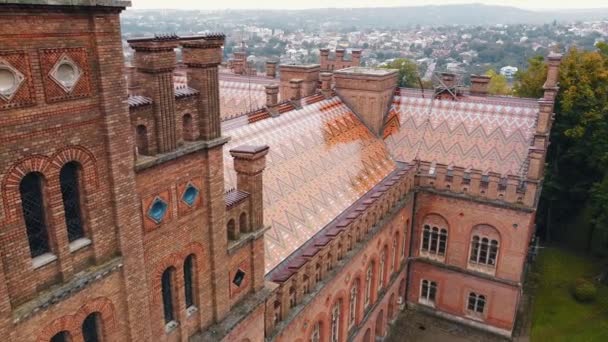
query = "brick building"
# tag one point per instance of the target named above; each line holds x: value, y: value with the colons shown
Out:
x: 139, y: 211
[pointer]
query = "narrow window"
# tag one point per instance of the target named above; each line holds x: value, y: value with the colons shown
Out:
x: 317, y: 273
x: 353, y: 304
x: 141, y: 139
x: 91, y: 328
x: 292, y: 297
x: 71, y: 194
x: 428, y: 291
x: 187, y: 129
x: 426, y: 236
x: 395, y: 251
x: 475, y: 248
x: 167, y: 293
x: 335, y: 322
x: 407, y: 224
x: 434, y: 239
x: 63, y: 336
x: 306, y: 284
x: 315, y: 336
x: 32, y: 204
x: 381, y: 273
x: 443, y: 240
x: 232, y: 232
x: 493, y: 253
x: 244, y: 227
x: 368, y: 284
x: 188, y: 280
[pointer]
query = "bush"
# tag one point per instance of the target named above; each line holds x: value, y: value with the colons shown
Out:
x: 584, y: 290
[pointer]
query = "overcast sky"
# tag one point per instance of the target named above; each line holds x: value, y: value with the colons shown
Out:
x: 299, y: 4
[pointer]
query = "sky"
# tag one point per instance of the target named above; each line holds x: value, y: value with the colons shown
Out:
x: 301, y: 4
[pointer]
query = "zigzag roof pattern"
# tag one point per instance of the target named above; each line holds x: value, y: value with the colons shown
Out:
x: 240, y: 97
x: 491, y: 134
x: 321, y: 160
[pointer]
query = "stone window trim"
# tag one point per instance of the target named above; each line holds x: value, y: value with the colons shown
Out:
x: 11, y: 80
x: 43, y: 260
x: 428, y: 292
x: 79, y: 244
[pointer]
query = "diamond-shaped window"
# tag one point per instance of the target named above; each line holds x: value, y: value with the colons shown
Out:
x: 157, y: 210
x: 10, y: 80
x: 239, y: 276
x: 190, y: 194
x: 66, y: 73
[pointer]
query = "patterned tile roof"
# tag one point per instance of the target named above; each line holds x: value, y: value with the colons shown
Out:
x: 484, y: 133
x: 322, y: 159
x: 240, y: 97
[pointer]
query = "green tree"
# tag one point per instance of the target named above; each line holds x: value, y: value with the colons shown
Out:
x: 408, y: 72
x: 498, y: 83
x: 529, y: 83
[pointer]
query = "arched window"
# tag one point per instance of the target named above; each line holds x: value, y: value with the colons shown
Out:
x: 317, y: 273
x: 330, y: 265
x: 306, y: 284
x: 63, y: 336
x: 476, y: 303
x: 91, y: 328
x: 187, y: 128
x: 71, y: 194
x: 407, y: 225
x: 380, y: 324
x: 167, y: 294
x: 277, y: 312
x: 395, y: 251
x: 368, y: 284
x: 352, y: 312
x: 141, y: 139
x: 428, y: 292
x: 315, y: 335
x: 292, y: 297
x: 32, y: 204
x: 243, y: 226
x: 381, y: 269
x: 434, y: 240
x: 483, y: 250
x: 335, y: 322
x: 233, y: 233
x: 189, y: 267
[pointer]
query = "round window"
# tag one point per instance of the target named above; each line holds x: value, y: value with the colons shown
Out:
x: 7, y: 80
x: 66, y: 73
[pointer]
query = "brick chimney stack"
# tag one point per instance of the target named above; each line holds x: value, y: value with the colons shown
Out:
x: 368, y: 92
x: 326, y: 83
x: 202, y: 57
x: 271, y: 69
x: 323, y: 56
x: 551, y: 87
x: 339, y: 55
x: 356, y: 57
x: 479, y: 85
x: 155, y: 60
x: 308, y: 73
x: 272, y: 95
x: 295, y: 86
x: 249, y: 162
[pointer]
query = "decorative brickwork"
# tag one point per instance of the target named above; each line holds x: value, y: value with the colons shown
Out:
x: 23, y: 94
x: 51, y: 60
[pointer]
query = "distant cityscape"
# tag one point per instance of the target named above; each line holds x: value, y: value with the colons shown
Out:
x: 465, y: 49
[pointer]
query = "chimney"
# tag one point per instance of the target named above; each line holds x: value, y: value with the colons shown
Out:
x: 324, y: 59
x: 339, y: 55
x: 545, y: 116
x: 155, y: 60
x: 536, y: 166
x: 448, y: 79
x: 271, y: 69
x: 249, y: 162
x: 133, y: 85
x: 272, y: 95
x: 326, y: 84
x: 295, y: 86
x: 479, y: 85
x: 551, y: 87
x: 356, y: 57
x: 368, y: 92
x: 202, y: 57
x: 308, y: 73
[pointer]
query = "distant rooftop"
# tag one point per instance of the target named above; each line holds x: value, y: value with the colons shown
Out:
x: 99, y: 3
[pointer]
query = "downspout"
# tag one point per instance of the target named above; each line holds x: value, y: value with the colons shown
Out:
x: 409, y: 252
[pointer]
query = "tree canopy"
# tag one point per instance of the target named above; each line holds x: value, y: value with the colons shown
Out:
x: 498, y: 83
x: 408, y: 72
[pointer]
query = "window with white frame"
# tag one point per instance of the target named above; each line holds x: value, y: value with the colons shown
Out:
x: 428, y: 292
x: 315, y: 336
x: 394, y: 260
x: 483, y: 251
x: 476, y: 304
x: 368, y: 285
x: 434, y: 240
x: 381, y: 271
x: 352, y: 312
x: 335, y: 322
